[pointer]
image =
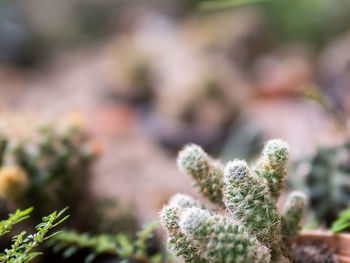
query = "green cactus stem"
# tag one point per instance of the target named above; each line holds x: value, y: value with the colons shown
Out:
x: 251, y: 230
x: 178, y: 243
x: 292, y: 214
x: 272, y: 165
x: 205, y: 171
x: 220, y: 239
x: 249, y: 200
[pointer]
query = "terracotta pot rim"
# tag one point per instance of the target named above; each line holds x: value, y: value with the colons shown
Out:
x: 338, y: 241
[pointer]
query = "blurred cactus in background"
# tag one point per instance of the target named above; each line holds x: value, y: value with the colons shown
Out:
x: 251, y: 230
x: 325, y: 176
x: 45, y: 165
x: 130, y: 75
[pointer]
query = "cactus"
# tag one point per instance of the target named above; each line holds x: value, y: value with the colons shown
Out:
x: 216, y: 233
x: 178, y: 243
x: 272, y: 165
x: 44, y: 164
x: 291, y: 216
x: 206, y: 172
x: 251, y: 230
x: 324, y: 176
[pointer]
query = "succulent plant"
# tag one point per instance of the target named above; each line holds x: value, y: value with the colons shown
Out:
x: 325, y: 177
x: 43, y: 164
x: 251, y: 230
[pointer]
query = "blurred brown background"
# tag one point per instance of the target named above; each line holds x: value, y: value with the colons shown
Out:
x: 147, y: 77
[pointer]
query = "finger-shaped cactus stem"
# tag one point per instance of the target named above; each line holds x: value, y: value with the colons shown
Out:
x: 252, y: 230
x: 292, y: 214
x: 178, y: 244
x: 206, y: 172
x: 272, y: 165
x: 220, y: 239
x: 248, y: 199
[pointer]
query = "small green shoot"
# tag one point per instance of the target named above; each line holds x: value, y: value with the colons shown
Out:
x: 343, y: 221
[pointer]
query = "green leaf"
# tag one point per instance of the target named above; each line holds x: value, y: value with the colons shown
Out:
x: 343, y: 222
x: 337, y: 227
x: 63, y: 219
x: 52, y: 235
x: 62, y: 211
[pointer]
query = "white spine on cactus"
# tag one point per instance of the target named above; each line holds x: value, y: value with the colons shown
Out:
x: 221, y: 239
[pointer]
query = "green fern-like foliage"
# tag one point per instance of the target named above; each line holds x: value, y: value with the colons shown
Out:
x: 118, y: 246
x: 7, y: 224
x: 251, y: 230
x: 23, y: 243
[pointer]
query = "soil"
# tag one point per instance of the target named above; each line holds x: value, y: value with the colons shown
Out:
x: 312, y: 252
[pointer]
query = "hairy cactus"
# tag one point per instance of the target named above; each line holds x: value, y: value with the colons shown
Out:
x: 291, y: 216
x: 272, y: 165
x: 45, y: 164
x: 47, y: 154
x: 220, y: 239
x: 248, y: 199
x: 178, y: 243
x: 252, y: 230
x: 206, y: 172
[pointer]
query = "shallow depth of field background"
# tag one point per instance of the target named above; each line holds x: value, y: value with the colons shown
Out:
x: 146, y: 77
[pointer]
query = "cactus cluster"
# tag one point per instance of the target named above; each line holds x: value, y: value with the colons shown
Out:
x: 251, y: 229
x: 45, y: 164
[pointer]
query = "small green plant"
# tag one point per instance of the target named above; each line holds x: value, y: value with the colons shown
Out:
x: 251, y: 230
x: 23, y: 244
x: 342, y: 222
x: 7, y: 224
x: 118, y: 246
